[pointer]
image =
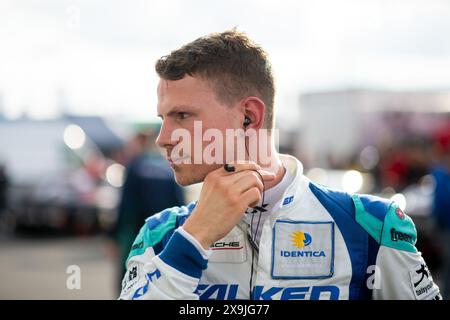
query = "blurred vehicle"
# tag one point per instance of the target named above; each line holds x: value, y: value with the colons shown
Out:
x: 63, y: 179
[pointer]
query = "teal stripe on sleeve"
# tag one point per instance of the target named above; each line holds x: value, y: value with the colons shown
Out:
x: 397, y: 231
x: 150, y: 237
x: 370, y: 223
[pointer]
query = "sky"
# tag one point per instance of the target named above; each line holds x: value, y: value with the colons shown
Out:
x: 96, y: 57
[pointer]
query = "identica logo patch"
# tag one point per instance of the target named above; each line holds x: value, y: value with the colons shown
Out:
x: 301, y: 239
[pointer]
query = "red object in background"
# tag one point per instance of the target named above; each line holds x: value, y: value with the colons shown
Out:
x: 442, y: 138
x: 394, y: 170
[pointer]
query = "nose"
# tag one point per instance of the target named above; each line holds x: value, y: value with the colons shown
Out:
x: 164, y: 137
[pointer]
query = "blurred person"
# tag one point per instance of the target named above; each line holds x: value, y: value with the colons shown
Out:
x: 441, y: 205
x: 149, y: 187
x: 6, y: 220
x: 4, y: 184
x: 260, y: 229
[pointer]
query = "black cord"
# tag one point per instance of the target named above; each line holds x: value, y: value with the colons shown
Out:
x: 253, y: 237
x: 253, y: 257
x: 262, y: 206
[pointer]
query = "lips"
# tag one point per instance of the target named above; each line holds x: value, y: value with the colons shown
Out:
x: 180, y: 160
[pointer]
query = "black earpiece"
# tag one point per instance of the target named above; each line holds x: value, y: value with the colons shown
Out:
x: 247, y: 121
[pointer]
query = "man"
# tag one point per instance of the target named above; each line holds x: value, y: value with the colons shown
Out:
x: 260, y: 229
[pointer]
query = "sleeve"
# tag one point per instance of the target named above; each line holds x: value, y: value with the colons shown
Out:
x: 400, y: 270
x: 160, y: 271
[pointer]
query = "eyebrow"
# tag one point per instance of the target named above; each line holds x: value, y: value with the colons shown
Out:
x: 179, y: 108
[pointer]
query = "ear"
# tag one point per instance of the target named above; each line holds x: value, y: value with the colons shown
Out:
x: 254, y: 109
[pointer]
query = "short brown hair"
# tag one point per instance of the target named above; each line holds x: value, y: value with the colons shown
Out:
x: 235, y: 65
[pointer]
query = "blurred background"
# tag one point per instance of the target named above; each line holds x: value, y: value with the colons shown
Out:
x: 363, y: 100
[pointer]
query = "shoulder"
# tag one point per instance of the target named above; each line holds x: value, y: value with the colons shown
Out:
x: 158, y: 228
x: 333, y: 200
x: 386, y: 222
x: 381, y: 218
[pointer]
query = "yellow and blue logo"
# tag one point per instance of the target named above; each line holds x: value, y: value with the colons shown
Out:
x: 300, y: 239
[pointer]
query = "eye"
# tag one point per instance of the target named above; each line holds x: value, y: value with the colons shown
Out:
x: 182, y: 115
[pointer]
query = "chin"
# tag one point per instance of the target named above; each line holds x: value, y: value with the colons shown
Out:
x: 186, y: 176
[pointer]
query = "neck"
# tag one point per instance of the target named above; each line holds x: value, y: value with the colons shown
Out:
x: 270, y: 161
x: 275, y: 166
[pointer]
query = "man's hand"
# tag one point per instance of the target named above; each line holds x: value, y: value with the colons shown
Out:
x: 223, y: 200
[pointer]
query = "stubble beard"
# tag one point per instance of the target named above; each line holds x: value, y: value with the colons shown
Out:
x: 188, y: 174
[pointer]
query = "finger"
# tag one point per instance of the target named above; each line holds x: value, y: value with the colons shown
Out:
x: 249, y: 180
x: 240, y: 166
x: 251, y: 197
x: 265, y: 175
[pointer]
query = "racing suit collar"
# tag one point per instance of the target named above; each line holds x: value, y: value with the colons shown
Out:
x: 297, y: 185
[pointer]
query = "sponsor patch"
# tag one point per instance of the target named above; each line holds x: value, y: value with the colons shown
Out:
x: 302, y: 249
x: 131, y: 277
x: 401, y: 236
x: 422, y: 282
x: 400, y: 213
x: 288, y: 200
x: 230, y: 249
x: 138, y: 245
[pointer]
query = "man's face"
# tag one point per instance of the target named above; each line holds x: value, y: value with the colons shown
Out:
x: 180, y: 103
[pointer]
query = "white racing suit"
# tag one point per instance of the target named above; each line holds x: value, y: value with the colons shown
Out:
x: 319, y: 244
